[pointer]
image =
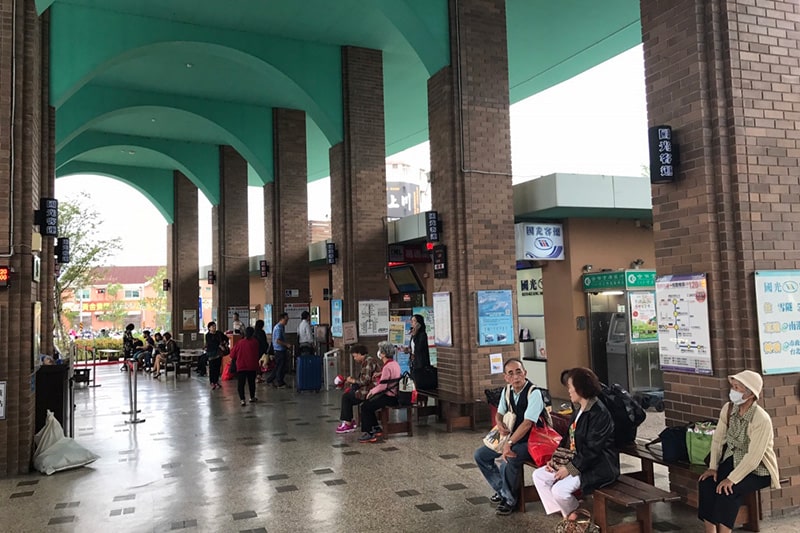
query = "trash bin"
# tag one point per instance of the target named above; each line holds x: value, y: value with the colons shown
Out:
x: 52, y: 392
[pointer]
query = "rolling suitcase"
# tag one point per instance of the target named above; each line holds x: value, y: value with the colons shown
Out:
x: 309, y: 373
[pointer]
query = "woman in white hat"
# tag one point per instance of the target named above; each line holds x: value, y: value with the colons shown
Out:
x: 742, y: 455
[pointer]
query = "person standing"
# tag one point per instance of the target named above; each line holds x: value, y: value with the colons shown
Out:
x: 215, y: 344
x: 127, y: 344
x: 747, y: 464
x: 305, y: 338
x: 246, y: 353
x: 238, y: 327
x: 281, y: 348
x: 527, y: 405
x: 263, y: 346
x: 425, y: 376
x: 367, y: 378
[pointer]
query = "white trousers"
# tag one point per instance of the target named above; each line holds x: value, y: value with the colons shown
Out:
x: 556, y: 495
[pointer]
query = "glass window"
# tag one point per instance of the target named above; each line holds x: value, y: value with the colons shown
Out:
x: 132, y: 294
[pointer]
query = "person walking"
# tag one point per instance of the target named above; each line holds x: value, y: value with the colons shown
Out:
x: 245, y: 354
x: 216, y: 343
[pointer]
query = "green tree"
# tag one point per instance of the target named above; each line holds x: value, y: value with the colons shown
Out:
x: 88, y: 254
x: 116, y: 312
x: 158, y: 303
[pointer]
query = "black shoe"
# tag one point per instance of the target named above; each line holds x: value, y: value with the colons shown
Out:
x: 496, y: 499
x: 504, y: 509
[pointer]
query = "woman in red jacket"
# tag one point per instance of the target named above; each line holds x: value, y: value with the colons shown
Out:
x: 246, y: 353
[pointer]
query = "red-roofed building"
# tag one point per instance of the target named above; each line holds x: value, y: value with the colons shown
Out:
x: 122, y: 295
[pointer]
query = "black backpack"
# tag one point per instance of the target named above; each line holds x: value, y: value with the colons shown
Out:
x: 626, y: 413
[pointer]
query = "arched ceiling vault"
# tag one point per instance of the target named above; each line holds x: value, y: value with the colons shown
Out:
x: 201, y: 72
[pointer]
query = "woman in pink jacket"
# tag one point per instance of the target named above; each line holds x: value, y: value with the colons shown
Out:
x: 381, y: 395
x: 246, y: 353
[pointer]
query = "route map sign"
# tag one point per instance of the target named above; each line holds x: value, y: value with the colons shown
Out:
x: 778, y: 309
x: 684, y: 338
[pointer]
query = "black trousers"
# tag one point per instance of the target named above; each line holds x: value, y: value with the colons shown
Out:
x: 348, y: 401
x: 214, y: 367
x: 250, y: 377
x: 723, y: 508
x: 369, y: 420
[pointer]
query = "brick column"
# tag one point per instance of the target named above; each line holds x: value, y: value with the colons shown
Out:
x: 723, y: 74
x: 468, y: 120
x: 182, y: 259
x: 48, y: 178
x: 358, y: 179
x: 230, y: 249
x: 286, y: 213
x: 21, y: 171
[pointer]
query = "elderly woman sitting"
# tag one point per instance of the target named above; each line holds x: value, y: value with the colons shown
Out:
x: 742, y: 456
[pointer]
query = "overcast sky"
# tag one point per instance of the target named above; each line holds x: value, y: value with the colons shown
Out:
x: 594, y: 123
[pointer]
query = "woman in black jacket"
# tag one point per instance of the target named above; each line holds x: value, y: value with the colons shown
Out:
x: 424, y: 374
x: 591, y: 437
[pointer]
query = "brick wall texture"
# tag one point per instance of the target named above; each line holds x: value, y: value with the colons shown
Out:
x: 468, y: 118
x: 358, y: 178
x: 24, y: 168
x: 230, y: 249
x: 286, y: 212
x: 182, y: 259
x: 724, y: 75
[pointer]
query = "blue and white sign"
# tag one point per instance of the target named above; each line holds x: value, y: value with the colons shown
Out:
x: 778, y: 310
x: 337, y: 330
x: 495, y: 318
x: 539, y: 241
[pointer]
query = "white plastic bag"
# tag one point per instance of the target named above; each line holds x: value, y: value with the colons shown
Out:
x: 55, y: 452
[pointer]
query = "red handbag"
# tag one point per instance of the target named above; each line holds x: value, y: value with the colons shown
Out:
x: 542, y: 442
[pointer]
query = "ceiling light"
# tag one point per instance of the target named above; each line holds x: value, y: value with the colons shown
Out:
x: 189, y: 65
x: 131, y: 152
x: 152, y: 120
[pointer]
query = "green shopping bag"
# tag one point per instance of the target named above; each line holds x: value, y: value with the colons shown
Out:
x: 698, y: 441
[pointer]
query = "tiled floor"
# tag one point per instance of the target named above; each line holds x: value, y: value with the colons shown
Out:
x: 201, y: 462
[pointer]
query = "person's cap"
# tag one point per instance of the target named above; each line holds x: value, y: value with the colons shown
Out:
x: 751, y: 380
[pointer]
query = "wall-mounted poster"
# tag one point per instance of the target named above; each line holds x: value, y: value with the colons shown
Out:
x: 443, y: 333
x: 778, y: 310
x: 495, y: 318
x: 3, y: 400
x: 336, y: 318
x: 644, y: 326
x: 684, y: 339
x: 189, y: 320
x: 373, y: 318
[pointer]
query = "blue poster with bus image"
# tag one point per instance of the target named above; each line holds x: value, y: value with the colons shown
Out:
x: 495, y: 318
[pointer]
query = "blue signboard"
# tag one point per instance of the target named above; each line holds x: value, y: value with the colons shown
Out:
x: 495, y: 318
x: 336, y: 318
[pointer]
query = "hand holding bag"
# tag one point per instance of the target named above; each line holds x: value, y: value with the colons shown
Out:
x: 542, y: 442
x: 561, y: 456
x: 583, y: 524
x: 493, y: 440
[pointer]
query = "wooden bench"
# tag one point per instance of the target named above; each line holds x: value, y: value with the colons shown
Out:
x: 395, y: 428
x: 633, y: 493
x: 457, y: 411
x: 179, y: 367
x: 750, y: 511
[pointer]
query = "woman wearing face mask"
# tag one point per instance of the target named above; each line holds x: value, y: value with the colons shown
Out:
x: 742, y: 455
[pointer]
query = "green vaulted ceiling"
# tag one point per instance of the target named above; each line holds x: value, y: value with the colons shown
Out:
x: 144, y: 87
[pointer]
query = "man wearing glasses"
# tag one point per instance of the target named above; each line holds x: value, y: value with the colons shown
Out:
x: 527, y: 403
